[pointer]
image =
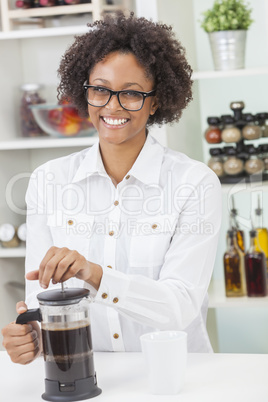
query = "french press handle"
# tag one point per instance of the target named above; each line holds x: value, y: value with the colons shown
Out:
x: 29, y: 315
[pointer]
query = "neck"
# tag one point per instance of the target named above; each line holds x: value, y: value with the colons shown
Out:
x: 119, y: 158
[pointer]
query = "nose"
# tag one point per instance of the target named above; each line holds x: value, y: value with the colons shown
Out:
x: 113, y: 104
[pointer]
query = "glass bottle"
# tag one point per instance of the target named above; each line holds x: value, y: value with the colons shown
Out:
x: 29, y: 127
x: 233, y: 271
x: 251, y: 131
x: 216, y: 161
x: 261, y: 240
x: 239, y: 233
x: 230, y: 132
x: 255, y: 267
x: 213, y: 132
x: 233, y: 165
x: 254, y: 164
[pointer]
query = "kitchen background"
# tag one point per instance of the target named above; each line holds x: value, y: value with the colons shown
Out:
x: 31, y: 54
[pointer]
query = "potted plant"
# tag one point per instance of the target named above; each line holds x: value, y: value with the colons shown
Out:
x: 227, y: 23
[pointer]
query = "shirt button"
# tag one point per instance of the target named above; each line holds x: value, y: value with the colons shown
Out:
x: 104, y: 295
x: 127, y: 177
x: 109, y: 266
x: 111, y: 233
x: 116, y: 336
x: 154, y: 226
x: 116, y: 203
x: 70, y: 222
x: 115, y: 300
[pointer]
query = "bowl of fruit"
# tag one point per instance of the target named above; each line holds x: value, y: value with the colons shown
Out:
x: 62, y: 120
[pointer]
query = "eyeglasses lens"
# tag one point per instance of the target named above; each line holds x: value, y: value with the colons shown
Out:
x: 130, y: 100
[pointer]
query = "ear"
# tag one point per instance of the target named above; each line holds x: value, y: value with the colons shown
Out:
x: 154, y: 107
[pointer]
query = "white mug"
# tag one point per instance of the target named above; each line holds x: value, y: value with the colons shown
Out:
x: 165, y: 354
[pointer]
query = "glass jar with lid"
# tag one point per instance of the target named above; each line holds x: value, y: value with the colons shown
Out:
x: 30, y: 96
x: 215, y: 163
x: 263, y: 152
x: 254, y: 164
x: 230, y: 132
x: 213, y: 132
x: 233, y: 165
x: 251, y: 131
x: 262, y: 119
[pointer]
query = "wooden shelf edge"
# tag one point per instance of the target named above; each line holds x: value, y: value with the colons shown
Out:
x: 44, y: 32
x: 200, y: 75
x: 217, y: 299
x: 17, y: 252
x: 40, y: 143
x: 51, y: 11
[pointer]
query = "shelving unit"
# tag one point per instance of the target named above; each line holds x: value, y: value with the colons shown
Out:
x: 96, y: 8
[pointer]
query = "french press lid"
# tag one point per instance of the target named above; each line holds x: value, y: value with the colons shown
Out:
x: 59, y: 297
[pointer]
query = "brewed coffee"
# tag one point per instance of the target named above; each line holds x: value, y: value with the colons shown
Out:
x: 68, y: 352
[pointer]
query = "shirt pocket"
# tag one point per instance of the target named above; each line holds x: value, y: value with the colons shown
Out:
x: 73, y: 232
x: 149, y: 243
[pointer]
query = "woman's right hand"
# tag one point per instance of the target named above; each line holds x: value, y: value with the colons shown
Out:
x: 22, y: 342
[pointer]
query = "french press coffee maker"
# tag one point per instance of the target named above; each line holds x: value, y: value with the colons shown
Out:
x: 67, y: 344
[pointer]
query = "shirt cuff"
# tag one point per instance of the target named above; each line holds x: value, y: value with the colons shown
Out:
x: 113, y: 288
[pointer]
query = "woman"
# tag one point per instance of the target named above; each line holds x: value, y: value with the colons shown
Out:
x: 134, y: 222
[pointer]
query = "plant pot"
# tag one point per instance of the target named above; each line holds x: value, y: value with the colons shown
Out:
x: 228, y: 49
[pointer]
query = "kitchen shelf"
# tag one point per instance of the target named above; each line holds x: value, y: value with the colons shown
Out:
x: 16, y: 252
x: 217, y: 298
x: 44, y: 32
x: 201, y: 75
x: 95, y: 8
x: 47, y: 142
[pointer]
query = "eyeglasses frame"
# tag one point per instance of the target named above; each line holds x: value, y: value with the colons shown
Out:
x: 117, y: 93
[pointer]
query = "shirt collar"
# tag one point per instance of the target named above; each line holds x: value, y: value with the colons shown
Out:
x: 91, y: 164
x: 148, y: 164
x: 146, y: 168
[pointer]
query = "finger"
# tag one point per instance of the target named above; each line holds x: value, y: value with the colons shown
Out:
x: 49, y: 254
x: 29, y: 338
x: 64, y: 266
x: 16, y: 330
x: 71, y: 272
x: 32, y: 275
x: 52, y: 266
x: 26, y: 353
x: 21, y: 307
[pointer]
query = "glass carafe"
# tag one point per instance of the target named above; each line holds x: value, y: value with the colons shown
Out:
x: 67, y: 345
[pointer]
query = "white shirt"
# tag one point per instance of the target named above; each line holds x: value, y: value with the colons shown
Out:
x: 155, y: 236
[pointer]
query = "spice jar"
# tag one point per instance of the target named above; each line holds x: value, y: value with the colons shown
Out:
x: 213, y: 132
x: 8, y: 235
x: 230, y: 133
x: 254, y: 164
x: 215, y: 163
x: 262, y: 119
x: 29, y: 127
x: 263, y: 150
x: 233, y: 165
x: 251, y: 131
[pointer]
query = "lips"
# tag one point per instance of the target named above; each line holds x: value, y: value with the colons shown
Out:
x: 115, y: 122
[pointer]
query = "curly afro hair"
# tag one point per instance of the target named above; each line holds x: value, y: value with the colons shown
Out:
x: 154, y: 46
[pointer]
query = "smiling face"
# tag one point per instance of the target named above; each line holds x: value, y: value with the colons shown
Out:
x: 121, y: 71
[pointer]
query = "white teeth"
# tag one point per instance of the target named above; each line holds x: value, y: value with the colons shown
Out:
x: 114, y: 122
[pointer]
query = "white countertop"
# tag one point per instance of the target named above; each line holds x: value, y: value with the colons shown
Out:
x: 209, y: 378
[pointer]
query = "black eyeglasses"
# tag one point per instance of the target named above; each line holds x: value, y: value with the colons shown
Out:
x: 128, y: 99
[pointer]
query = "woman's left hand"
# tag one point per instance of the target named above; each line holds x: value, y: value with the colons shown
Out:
x: 61, y: 264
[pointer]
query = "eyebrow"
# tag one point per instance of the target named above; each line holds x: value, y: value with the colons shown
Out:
x: 126, y: 84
